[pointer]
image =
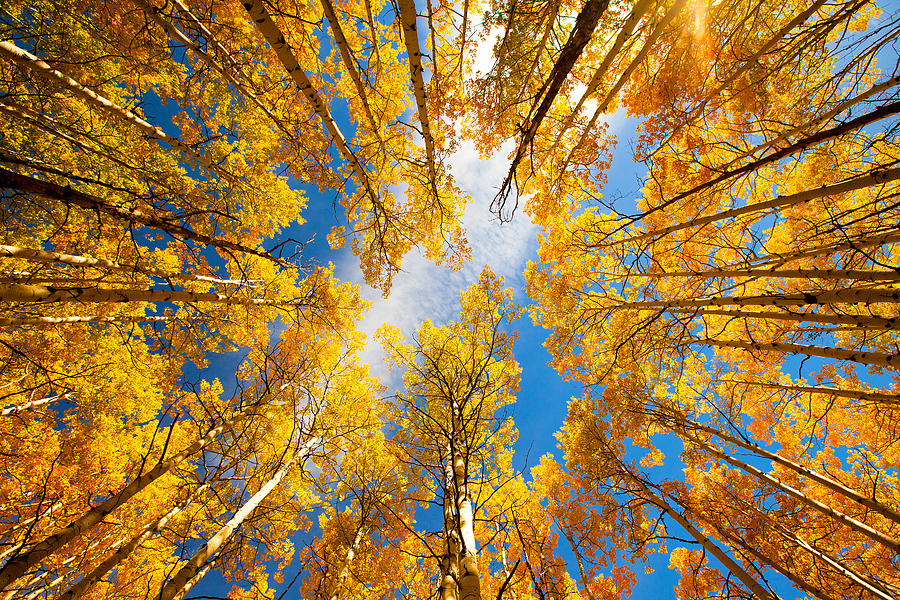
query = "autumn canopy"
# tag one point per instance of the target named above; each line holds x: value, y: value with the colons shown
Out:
x: 731, y: 327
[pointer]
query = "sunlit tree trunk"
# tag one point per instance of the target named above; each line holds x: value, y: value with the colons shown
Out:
x: 872, y: 178
x: 346, y: 563
x: 838, y: 516
x: 742, y: 575
x: 19, y: 564
x: 829, y: 483
x: 277, y: 42
x: 47, y: 294
x: 858, y: 356
x: 857, y: 321
x: 69, y: 196
x: 79, y: 589
x: 42, y: 69
x: 14, y: 410
x: 184, y: 579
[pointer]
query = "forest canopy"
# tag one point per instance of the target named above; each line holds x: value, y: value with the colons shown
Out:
x: 729, y: 327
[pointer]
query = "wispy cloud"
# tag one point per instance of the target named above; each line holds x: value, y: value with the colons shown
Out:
x: 425, y: 291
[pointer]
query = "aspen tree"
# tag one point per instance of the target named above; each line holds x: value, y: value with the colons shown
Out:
x: 457, y: 377
x: 20, y: 563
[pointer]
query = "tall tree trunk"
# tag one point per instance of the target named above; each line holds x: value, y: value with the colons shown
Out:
x: 637, y: 13
x: 857, y: 321
x: 469, y: 575
x: 79, y: 589
x: 581, y: 33
x: 347, y: 58
x: 819, y: 118
x: 845, y: 295
x: 42, y: 69
x: 69, y: 196
x: 273, y: 35
x: 858, y: 526
x: 407, y: 17
x: 831, y: 484
x: 26, y: 406
x: 855, y: 394
x: 20, y: 563
x: 742, y: 575
x: 872, y: 178
x: 450, y: 560
x: 858, y: 356
x: 183, y: 580
x: 623, y: 78
x: 344, y: 571
x: 47, y: 295
x: 49, y: 321
x: 827, y: 274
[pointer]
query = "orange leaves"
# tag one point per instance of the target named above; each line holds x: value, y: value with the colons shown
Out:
x: 697, y: 580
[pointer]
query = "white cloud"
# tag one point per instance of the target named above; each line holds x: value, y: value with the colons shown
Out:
x: 423, y: 290
x: 484, y: 50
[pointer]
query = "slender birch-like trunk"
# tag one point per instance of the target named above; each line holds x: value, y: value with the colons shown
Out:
x: 49, y: 321
x: 42, y: 69
x: 344, y: 571
x: 819, y: 118
x: 742, y: 575
x: 407, y: 17
x: 858, y: 356
x: 862, y: 528
x: 36, y: 578
x: 585, y: 582
x: 273, y: 35
x: 872, y: 178
x: 469, y: 576
x: 193, y: 581
x: 79, y: 589
x: 14, y: 410
x: 623, y: 78
x: 581, y: 33
x: 69, y: 196
x: 47, y: 294
x: 637, y: 13
x: 831, y: 484
x: 846, y: 295
x: 828, y: 274
x: 25, y: 524
x: 855, y: 394
x: 347, y: 58
x: 19, y: 564
x: 865, y: 582
x: 450, y: 560
x: 185, y: 578
x: 861, y: 321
